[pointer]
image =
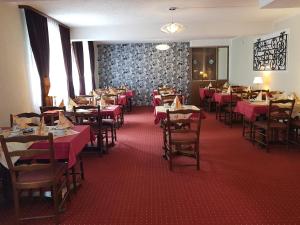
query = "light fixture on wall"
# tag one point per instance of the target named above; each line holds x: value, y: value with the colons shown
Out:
x: 162, y: 47
x: 172, y: 27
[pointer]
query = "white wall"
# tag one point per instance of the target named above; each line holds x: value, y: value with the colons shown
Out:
x: 14, y: 86
x: 242, y: 60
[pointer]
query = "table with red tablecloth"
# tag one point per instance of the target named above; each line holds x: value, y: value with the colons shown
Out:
x: 206, y: 93
x: 68, y: 147
x: 223, y: 98
x: 122, y: 100
x: 156, y: 100
x: 112, y: 111
x: 160, y: 112
x: 251, y: 109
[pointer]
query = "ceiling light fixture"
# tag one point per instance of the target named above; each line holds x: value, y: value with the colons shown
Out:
x: 172, y: 27
x: 162, y: 47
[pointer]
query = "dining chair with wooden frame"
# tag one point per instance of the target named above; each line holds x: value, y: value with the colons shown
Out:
x: 34, y: 175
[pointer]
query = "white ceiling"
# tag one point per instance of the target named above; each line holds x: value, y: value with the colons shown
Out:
x: 140, y: 20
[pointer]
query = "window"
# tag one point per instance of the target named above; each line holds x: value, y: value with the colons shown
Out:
x: 57, y: 71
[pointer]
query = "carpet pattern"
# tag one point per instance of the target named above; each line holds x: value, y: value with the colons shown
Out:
x: 238, y: 183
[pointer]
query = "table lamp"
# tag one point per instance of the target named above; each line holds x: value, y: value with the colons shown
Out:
x: 258, y: 81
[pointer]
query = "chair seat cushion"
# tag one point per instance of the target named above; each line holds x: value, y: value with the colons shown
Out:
x: 44, y: 175
x: 108, y: 121
x: 189, y: 136
x: 264, y: 125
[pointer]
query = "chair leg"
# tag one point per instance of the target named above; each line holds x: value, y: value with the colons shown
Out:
x: 74, y: 178
x: 170, y: 159
x: 112, y: 134
x: 67, y: 175
x: 81, y: 167
x: 17, y: 206
x: 55, y: 203
x: 267, y: 139
x: 197, y: 156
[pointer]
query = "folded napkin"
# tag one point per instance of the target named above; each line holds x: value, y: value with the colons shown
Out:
x: 176, y: 103
x: 259, y: 97
x: 42, y: 128
x: 22, y: 122
x: 210, y: 85
x: 229, y: 90
x: 293, y: 96
x: 62, y: 103
x: 102, y: 102
x: 64, y: 122
x: 225, y: 85
x: 72, y: 103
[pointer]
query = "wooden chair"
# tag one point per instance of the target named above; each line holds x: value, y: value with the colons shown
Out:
x: 295, y: 130
x: 278, y: 119
x: 50, y: 118
x: 91, y: 115
x: 30, y: 115
x: 84, y: 100
x: 165, y: 90
x: 113, y: 99
x: 209, y: 102
x: 169, y: 99
x: 183, y: 131
x: 34, y: 175
x: 229, y: 114
x: 254, y: 93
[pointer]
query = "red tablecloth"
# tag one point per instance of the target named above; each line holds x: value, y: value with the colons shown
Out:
x: 205, y: 92
x: 222, y: 98
x: 129, y: 93
x: 156, y: 100
x: 250, y: 109
x: 122, y: 100
x: 68, y: 147
x: 160, y: 113
x: 112, y: 111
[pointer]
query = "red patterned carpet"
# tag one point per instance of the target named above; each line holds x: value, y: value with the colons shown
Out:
x: 237, y: 184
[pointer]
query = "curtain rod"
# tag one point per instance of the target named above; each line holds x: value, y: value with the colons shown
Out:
x: 42, y: 14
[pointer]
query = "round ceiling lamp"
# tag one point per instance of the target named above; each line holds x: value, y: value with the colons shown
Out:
x: 171, y: 28
x: 162, y: 47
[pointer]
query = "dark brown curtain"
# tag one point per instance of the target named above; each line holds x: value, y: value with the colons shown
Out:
x: 39, y: 40
x: 92, y: 62
x: 78, y: 54
x: 66, y: 47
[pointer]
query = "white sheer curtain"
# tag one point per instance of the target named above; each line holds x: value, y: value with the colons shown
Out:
x: 87, y: 68
x: 87, y: 71
x: 75, y: 75
x: 57, y: 71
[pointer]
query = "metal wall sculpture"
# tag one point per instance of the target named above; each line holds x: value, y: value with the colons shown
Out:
x: 270, y: 54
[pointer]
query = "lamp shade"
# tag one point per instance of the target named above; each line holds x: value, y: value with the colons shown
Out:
x: 258, y: 80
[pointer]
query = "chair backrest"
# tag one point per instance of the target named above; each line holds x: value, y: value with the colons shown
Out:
x: 50, y: 108
x: 280, y: 110
x: 165, y: 90
x: 88, y: 115
x: 16, y: 168
x: 183, y: 121
x: 254, y: 93
x: 111, y: 99
x: 169, y: 99
x: 31, y: 116
x: 84, y: 99
x: 121, y: 91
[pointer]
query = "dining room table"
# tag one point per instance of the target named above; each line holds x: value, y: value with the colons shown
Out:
x: 160, y: 112
x: 252, y: 109
x: 206, y: 93
x: 67, y: 147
